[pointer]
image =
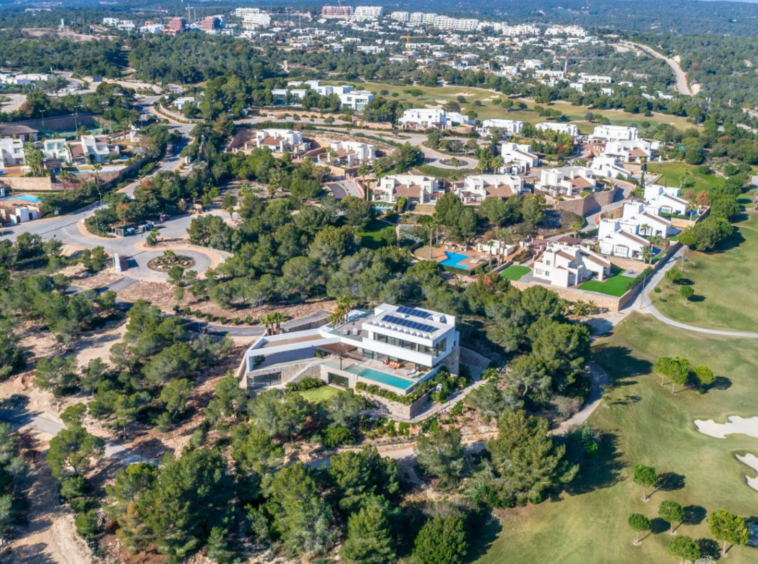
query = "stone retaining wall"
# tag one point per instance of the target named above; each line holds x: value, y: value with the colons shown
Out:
x: 30, y: 184
x: 396, y: 408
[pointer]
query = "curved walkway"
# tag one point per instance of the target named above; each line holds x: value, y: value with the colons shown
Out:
x: 644, y: 304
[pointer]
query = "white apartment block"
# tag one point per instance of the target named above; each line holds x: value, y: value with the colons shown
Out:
x: 507, y: 126
x: 520, y: 155
x: 566, y: 265
x: 615, y: 133
x: 368, y: 13
x: 517, y: 30
x: 11, y: 153
x: 629, y: 151
x: 532, y: 64
x: 400, y: 16
x: 415, y: 188
x: 23, y: 79
x: 566, y: 180
x: 570, y: 30
x: 476, y: 188
x: 564, y: 128
x: 394, y: 348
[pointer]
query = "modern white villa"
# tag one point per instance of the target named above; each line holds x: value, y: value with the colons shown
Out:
x: 520, y: 155
x: 506, y: 126
x: 415, y: 188
x: 565, y: 265
x: 431, y: 118
x: 615, y: 133
x: 349, y: 153
x: 629, y: 151
x: 609, y: 167
x: 476, y: 188
x: 348, y: 95
x: 392, y: 347
x: 566, y: 180
x: 565, y: 128
x: 278, y: 141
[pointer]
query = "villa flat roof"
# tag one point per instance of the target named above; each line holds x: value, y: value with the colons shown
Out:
x: 292, y: 341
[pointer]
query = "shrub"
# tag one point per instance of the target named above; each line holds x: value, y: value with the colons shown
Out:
x: 305, y: 384
x: 335, y: 436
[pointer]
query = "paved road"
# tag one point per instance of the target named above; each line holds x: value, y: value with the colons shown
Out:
x: 23, y: 419
x: 682, y: 85
x: 16, y: 101
x: 644, y: 304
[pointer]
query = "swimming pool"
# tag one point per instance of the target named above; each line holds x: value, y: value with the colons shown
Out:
x: 24, y: 197
x: 381, y: 377
x: 455, y: 260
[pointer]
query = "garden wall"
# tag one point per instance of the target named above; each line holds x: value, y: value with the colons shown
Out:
x: 396, y: 408
x: 30, y: 184
x: 611, y: 303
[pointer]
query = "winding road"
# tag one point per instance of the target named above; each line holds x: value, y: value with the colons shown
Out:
x: 682, y: 86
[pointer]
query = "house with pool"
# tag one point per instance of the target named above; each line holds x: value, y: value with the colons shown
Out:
x: 392, y: 347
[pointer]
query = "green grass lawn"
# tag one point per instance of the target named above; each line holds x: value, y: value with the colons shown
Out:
x: 726, y: 295
x: 446, y: 173
x: 643, y: 422
x: 486, y: 109
x: 616, y: 285
x: 515, y: 272
x: 318, y: 395
x: 672, y: 174
x: 371, y: 236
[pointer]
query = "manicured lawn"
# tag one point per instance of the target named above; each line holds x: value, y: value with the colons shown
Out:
x: 446, y: 173
x: 318, y: 395
x: 475, y: 96
x: 726, y: 294
x: 616, y: 285
x: 371, y: 237
x: 515, y: 272
x: 643, y: 422
x: 672, y: 174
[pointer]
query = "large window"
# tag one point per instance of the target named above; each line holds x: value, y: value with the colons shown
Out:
x: 265, y: 380
x: 338, y: 380
x: 403, y: 344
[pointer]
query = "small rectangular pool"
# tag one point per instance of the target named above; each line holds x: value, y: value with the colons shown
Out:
x: 381, y: 377
x: 24, y: 197
x: 455, y: 260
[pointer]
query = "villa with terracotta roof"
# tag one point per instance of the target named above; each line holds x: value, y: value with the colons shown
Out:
x: 476, y: 188
x: 565, y: 265
x: 566, y: 181
x: 278, y: 141
x: 415, y: 188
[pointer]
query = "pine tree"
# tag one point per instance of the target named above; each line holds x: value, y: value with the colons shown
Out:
x: 369, y: 539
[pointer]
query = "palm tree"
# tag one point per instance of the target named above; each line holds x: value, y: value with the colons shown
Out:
x: 97, y: 167
x: 267, y: 322
x: 275, y: 319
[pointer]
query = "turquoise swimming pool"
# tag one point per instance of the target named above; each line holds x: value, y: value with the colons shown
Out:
x: 381, y: 377
x: 455, y: 260
x: 24, y: 197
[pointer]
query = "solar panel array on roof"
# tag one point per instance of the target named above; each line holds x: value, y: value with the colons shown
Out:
x: 410, y: 324
x: 414, y: 312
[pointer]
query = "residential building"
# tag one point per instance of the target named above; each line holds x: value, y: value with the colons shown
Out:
x: 431, y: 118
x: 19, y: 208
x: 594, y: 79
x: 565, y: 265
x: 629, y: 150
x: 566, y: 180
x: 92, y: 149
x: 21, y: 132
x: 368, y: 13
x: 351, y: 153
x: 664, y: 200
x: 337, y: 12
x: 506, y: 126
x: 180, y: 103
x: 620, y: 238
x: 615, y: 133
x: 520, y: 155
x: 476, y: 188
x: 393, y: 348
x: 57, y: 149
x: 415, y: 188
x: 609, y: 167
x: 11, y: 153
x: 175, y: 26
x: 563, y: 128
x: 400, y: 16
x: 355, y: 99
x: 278, y: 141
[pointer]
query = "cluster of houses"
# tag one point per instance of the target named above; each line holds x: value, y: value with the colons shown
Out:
x: 86, y: 149
x: 296, y: 90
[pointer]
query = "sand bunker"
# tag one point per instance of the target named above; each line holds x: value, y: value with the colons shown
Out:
x: 751, y: 461
x: 736, y: 426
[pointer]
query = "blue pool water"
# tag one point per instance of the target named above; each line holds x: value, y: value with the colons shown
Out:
x: 454, y: 260
x: 24, y: 197
x: 381, y: 377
